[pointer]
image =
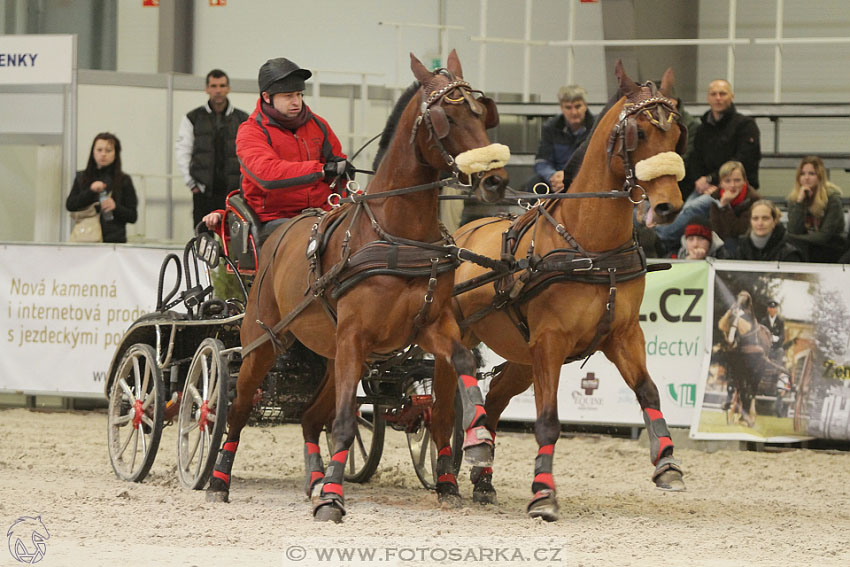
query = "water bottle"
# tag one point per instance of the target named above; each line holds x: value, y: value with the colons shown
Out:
x: 107, y: 216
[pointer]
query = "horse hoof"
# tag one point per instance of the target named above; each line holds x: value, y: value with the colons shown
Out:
x: 484, y: 497
x: 668, y: 475
x: 544, y: 507
x: 479, y: 455
x: 450, y: 501
x: 218, y: 496
x: 328, y: 513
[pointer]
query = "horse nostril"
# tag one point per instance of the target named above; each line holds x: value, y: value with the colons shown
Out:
x: 663, y: 209
x: 493, y: 182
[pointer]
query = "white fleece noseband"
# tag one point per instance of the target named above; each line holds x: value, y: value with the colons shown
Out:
x: 489, y: 157
x: 665, y: 163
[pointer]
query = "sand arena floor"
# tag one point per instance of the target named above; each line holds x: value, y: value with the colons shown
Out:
x: 740, y: 508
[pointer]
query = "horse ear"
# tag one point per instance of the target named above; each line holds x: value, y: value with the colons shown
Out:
x: 667, y: 81
x: 453, y: 65
x: 627, y: 86
x: 422, y: 74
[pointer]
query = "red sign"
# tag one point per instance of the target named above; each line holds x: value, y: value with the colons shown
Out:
x: 218, y: 2
x: 150, y: 3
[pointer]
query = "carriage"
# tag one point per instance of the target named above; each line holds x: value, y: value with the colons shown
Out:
x: 178, y: 367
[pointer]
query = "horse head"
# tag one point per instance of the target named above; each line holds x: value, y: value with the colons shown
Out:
x: 645, y: 146
x: 450, y: 132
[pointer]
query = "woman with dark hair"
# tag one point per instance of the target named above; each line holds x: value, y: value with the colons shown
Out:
x: 815, y: 213
x: 103, y: 182
x: 766, y: 239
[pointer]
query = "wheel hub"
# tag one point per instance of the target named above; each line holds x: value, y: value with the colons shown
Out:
x: 137, y: 414
x: 202, y: 418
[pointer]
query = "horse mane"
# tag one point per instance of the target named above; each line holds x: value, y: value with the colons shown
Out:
x: 392, y: 122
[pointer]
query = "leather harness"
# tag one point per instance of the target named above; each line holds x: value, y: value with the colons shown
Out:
x: 529, y: 276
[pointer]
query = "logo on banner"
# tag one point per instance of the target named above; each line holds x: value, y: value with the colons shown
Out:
x: 586, y: 399
x: 686, y: 396
x: 589, y: 383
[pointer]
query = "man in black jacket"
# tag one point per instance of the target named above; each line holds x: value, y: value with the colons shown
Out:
x: 561, y: 136
x: 723, y: 135
x: 206, y: 147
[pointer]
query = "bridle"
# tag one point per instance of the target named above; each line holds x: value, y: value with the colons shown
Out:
x: 433, y: 115
x: 625, y: 135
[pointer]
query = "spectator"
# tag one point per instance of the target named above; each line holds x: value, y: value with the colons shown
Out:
x: 815, y: 213
x: 730, y: 212
x: 288, y: 155
x: 103, y: 182
x: 767, y: 238
x: 723, y: 135
x: 206, y: 147
x: 561, y: 136
x: 700, y: 242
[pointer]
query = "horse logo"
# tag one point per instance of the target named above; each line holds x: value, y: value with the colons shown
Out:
x: 27, y: 539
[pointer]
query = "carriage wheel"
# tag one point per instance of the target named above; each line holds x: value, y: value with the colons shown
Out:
x: 136, y: 405
x: 203, y: 413
x: 423, y: 450
x: 368, y: 445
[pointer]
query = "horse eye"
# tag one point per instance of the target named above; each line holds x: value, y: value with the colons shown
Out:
x: 641, y: 134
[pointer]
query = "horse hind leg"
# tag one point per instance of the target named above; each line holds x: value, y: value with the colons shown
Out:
x: 628, y: 354
x: 510, y: 380
x: 254, y: 368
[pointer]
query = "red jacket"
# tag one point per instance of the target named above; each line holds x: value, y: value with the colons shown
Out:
x: 281, y: 170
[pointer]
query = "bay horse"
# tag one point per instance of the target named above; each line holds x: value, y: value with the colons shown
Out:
x: 380, y: 281
x: 745, y: 345
x: 579, y: 282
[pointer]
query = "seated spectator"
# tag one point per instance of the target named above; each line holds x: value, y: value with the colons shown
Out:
x: 766, y: 239
x: 103, y: 182
x: 700, y: 242
x: 815, y: 213
x: 561, y: 136
x: 724, y: 134
x: 730, y: 212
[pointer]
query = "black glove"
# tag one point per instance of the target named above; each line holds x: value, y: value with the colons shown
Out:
x: 337, y: 167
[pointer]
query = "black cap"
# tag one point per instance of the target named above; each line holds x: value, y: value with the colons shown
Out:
x: 772, y: 303
x: 281, y: 75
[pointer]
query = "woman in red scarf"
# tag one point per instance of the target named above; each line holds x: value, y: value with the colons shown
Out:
x: 730, y: 214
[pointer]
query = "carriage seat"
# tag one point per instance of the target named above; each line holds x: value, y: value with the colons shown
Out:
x: 243, y: 230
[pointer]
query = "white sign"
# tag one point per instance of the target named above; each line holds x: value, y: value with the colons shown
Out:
x: 64, y: 310
x: 36, y: 59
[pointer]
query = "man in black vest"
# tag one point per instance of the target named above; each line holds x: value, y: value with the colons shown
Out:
x: 206, y: 147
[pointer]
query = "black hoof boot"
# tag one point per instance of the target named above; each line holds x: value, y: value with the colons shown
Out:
x: 482, y: 486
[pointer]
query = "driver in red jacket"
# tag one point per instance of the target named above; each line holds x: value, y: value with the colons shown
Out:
x: 288, y: 156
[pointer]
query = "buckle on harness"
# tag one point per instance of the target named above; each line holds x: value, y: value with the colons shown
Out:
x: 585, y: 269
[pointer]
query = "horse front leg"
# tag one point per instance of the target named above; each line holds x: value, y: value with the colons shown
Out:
x: 547, y: 356
x: 348, y: 369
x: 627, y: 351
x: 455, y: 370
x: 254, y: 368
x: 314, y: 419
x: 510, y: 380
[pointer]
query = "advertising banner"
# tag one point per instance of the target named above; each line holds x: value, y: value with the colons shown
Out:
x: 65, y: 310
x: 779, y: 368
x: 36, y: 59
x: 673, y: 315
